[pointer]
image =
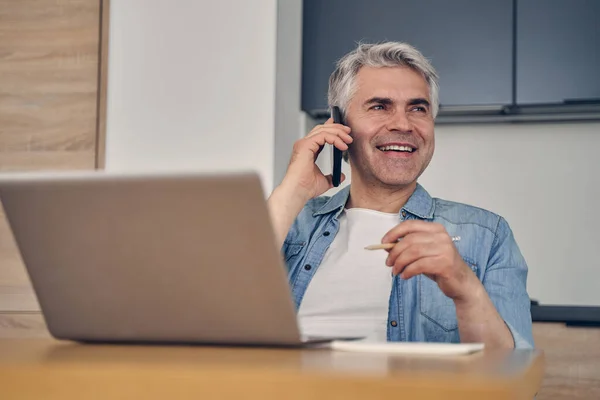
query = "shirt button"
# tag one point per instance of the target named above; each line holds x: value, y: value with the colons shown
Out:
x: 394, y: 324
x: 326, y: 233
x: 308, y: 267
x: 403, y: 214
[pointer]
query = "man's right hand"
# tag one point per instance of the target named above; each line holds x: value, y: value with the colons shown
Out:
x: 303, y: 176
x: 303, y: 179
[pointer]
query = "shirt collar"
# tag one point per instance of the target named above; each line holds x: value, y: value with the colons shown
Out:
x: 420, y: 203
x: 335, y: 202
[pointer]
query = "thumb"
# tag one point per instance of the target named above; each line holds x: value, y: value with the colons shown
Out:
x: 330, y: 179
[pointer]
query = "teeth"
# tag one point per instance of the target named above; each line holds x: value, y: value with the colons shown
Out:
x: 396, y: 148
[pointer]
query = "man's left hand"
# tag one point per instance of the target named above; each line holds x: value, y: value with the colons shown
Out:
x: 426, y: 248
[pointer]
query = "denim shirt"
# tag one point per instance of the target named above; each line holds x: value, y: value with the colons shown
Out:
x: 418, y: 310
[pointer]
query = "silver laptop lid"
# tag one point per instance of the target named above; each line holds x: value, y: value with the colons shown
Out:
x: 163, y: 257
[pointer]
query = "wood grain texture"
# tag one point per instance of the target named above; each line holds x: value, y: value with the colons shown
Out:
x: 572, y: 356
x: 66, y: 370
x: 572, y: 361
x: 22, y: 325
x: 103, y: 85
x: 49, y: 54
x: 49, y: 76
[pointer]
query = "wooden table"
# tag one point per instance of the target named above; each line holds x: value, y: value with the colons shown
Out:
x: 572, y: 359
x: 49, y: 369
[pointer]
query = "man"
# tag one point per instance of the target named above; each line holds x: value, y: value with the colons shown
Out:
x: 454, y: 273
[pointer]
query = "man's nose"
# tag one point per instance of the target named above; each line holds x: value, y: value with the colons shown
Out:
x: 399, y: 121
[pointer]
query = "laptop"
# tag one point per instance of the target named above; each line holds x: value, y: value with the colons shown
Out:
x: 154, y: 258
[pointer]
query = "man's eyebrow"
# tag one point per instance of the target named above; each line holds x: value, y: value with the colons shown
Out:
x: 388, y: 101
x: 379, y: 100
x: 419, y: 102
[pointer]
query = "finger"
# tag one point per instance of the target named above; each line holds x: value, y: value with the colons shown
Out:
x: 330, y: 179
x: 409, y: 240
x: 321, y: 147
x: 425, y: 266
x: 412, y: 254
x: 331, y: 122
x: 337, y: 129
x: 326, y: 126
x: 315, y: 145
x: 412, y: 226
x: 336, y: 132
x: 321, y: 140
x: 330, y: 139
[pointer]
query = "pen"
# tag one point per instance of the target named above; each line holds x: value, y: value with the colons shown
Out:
x: 387, y: 246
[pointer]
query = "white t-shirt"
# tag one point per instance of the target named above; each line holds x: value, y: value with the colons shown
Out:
x: 349, y: 294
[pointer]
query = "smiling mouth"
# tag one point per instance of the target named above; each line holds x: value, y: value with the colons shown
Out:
x: 396, y: 148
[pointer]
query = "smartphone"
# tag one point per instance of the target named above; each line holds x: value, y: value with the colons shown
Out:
x: 336, y: 156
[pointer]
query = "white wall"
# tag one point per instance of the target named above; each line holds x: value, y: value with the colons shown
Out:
x: 192, y: 85
x: 545, y: 180
x: 289, y: 120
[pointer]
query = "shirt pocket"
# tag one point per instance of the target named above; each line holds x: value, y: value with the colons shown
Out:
x: 292, y: 249
x: 440, y: 323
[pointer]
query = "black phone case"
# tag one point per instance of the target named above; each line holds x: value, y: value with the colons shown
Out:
x: 337, y: 153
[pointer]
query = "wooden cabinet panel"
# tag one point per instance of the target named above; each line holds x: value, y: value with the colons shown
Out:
x: 49, y: 101
x: 22, y: 325
x: 558, y: 56
x: 468, y: 41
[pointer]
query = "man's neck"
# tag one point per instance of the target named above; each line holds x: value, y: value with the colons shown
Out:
x: 379, y: 198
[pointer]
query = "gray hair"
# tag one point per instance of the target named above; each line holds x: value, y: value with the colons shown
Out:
x: 342, y: 82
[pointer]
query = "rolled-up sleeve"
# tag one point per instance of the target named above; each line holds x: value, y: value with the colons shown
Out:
x: 505, y: 281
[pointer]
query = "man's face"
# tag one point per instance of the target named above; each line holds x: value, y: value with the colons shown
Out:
x: 392, y: 126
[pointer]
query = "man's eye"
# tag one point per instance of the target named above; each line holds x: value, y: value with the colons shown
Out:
x: 378, y: 107
x: 419, y: 109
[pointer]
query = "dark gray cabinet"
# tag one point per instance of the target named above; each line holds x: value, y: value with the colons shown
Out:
x: 468, y: 41
x: 558, y: 50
